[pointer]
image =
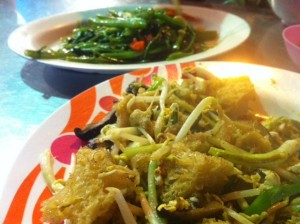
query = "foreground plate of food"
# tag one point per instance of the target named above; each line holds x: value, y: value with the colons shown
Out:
x: 232, y: 31
x: 214, y: 133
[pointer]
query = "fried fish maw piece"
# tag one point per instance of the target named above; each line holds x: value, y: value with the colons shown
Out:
x: 189, y: 173
x: 236, y: 95
x: 84, y: 198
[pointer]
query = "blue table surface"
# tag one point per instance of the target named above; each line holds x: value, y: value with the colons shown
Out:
x: 30, y: 92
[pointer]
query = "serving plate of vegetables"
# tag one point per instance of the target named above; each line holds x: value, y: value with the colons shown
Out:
x: 126, y: 38
x: 192, y: 142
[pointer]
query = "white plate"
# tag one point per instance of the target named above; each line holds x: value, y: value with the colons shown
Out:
x: 25, y: 188
x: 232, y: 29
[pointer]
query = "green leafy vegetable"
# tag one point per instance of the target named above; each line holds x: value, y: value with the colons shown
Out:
x: 269, y: 197
x: 138, y: 35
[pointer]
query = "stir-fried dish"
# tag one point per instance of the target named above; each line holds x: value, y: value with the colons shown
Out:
x: 199, y: 150
x: 130, y: 36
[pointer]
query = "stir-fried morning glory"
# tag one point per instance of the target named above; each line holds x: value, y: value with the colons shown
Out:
x: 130, y: 36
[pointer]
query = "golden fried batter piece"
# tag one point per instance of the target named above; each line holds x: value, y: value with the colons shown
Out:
x: 84, y: 198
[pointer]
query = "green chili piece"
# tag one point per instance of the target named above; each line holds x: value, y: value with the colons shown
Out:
x: 271, y: 196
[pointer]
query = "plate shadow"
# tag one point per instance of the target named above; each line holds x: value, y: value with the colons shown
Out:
x: 58, y: 82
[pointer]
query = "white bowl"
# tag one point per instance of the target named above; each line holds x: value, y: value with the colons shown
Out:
x: 287, y: 10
